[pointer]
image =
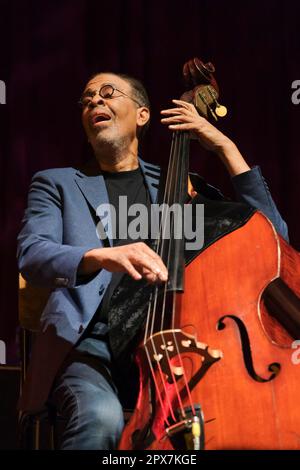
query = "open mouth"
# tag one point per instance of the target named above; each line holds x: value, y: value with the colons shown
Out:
x: 101, y: 118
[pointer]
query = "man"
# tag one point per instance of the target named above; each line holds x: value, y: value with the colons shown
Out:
x: 72, y: 362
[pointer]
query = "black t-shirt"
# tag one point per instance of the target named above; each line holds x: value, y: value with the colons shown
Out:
x: 132, y: 185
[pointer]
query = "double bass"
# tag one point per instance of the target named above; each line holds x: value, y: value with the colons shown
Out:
x: 218, y: 363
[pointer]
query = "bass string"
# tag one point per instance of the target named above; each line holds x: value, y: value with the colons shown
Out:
x: 174, y: 180
x: 152, y: 307
x: 177, y: 179
x: 182, y: 169
x: 176, y: 166
x: 181, y: 157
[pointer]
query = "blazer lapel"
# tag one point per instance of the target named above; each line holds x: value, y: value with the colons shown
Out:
x: 92, y: 185
x: 94, y: 191
x: 152, y: 177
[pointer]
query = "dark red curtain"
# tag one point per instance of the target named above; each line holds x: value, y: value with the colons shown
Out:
x: 49, y: 48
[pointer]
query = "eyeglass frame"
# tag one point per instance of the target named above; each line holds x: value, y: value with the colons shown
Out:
x: 95, y: 92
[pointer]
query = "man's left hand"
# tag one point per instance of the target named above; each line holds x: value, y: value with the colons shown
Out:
x: 185, y: 117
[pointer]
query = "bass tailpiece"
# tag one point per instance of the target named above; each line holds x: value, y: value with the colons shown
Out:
x: 188, y: 431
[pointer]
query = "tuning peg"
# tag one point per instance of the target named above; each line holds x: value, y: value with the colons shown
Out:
x: 220, y: 110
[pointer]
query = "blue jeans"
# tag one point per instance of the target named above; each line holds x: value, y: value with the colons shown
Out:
x: 85, y: 395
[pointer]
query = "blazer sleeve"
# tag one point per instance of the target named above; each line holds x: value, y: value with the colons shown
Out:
x: 251, y: 187
x: 43, y: 259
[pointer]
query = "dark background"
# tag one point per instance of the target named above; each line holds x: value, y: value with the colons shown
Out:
x: 48, y: 49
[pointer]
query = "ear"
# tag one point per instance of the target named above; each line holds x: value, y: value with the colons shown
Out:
x: 143, y: 116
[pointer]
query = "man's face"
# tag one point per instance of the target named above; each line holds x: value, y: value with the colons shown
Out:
x: 111, y: 120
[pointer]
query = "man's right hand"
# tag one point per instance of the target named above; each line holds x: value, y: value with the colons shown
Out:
x: 137, y: 259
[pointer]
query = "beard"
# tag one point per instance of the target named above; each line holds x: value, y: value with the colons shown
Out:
x: 111, y: 140
x: 110, y: 145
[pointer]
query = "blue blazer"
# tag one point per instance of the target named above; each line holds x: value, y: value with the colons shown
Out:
x: 58, y: 227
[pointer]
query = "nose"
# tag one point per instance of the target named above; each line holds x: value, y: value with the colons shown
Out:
x: 96, y: 99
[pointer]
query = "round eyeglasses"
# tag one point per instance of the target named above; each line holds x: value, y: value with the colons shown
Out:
x: 106, y: 92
